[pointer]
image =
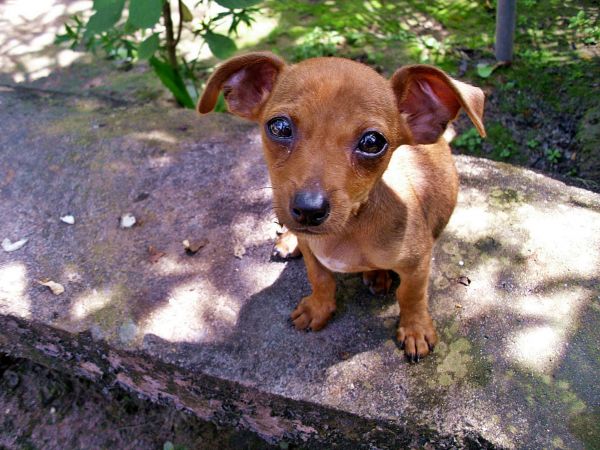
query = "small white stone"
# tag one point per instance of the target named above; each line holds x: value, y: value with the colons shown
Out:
x: 127, y: 220
x: 55, y: 287
x: 68, y: 219
x: 461, y: 263
x: 9, y: 246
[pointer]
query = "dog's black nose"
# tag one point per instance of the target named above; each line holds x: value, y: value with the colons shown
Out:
x: 309, y: 208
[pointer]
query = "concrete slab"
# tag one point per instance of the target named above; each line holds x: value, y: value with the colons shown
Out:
x: 515, y: 288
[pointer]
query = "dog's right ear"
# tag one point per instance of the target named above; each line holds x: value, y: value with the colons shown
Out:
x: 246, y: 82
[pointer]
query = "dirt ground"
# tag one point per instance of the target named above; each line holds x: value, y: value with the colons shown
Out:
x: 45, y: 409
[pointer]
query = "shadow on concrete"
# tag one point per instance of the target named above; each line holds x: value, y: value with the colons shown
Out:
x: 512, y: 334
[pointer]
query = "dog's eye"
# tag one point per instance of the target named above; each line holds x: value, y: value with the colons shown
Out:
x: 280, y: 128
x: 372, y: 143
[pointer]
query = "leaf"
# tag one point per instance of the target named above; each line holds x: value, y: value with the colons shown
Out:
x: 9, y: 246
x: 172, y: 81
x: 144, y: 13
x: 220, y: 45
x: 221, y: 105
x: 108, y: 13
x: 148, y: 47
x: 185, y: 12
x: 237, y: 4
x: 154, y: 254
x: 55, y: 287
x: 239, y: 251
x: 484, y: 70
x: 191, y: 248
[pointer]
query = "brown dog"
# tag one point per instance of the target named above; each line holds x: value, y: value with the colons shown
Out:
x: 361, y: 174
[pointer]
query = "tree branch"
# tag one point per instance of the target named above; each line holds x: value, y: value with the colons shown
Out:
x: 171, y: 43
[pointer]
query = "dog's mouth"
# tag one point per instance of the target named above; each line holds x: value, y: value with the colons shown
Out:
x: 307, y: 230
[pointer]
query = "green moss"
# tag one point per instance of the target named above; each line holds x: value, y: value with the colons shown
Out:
x: 505, y: 198
x: 585, y: 427
x: 115, y: 313
x: 457, y: 360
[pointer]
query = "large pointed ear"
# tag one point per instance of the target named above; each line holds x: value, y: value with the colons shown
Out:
x: 246, y: 82
x: 430, y: 99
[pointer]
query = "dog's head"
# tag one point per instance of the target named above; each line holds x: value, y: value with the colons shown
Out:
x: 330, y: 125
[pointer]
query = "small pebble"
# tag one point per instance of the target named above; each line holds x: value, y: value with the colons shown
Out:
x: 68, y: 219
x: 127, y: 220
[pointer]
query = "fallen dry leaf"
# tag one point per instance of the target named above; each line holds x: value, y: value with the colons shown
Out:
x: 55, y: 287
x: 192, y: 247
x: 154, y: 254
x: 239, y: 250
x: 9, y: 246
x: 465, y: 281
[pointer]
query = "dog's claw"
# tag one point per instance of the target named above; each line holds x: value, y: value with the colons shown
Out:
x: 416, y: 339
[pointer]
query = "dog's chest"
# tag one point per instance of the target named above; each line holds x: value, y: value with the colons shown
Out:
x: 340, y: 256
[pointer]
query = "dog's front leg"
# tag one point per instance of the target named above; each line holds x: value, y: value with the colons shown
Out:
x: 416, y: 333
x: 315, y: 310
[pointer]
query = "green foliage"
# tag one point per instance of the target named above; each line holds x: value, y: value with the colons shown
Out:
x: 143, y: 37
x: 317, y: 43
x: 238, y: 4
x: 469, y: 141
x: 503, y: 146
x: 221, y: 46
x: 484, y: 70
x: 148, y: 47
x: 107, y: 14
x: 168, y: 445
x: 589, y: 31
x: 173, y: 81
x: 553, y: 155
x: 144, y: 13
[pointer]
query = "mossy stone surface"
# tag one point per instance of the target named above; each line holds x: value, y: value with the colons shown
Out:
x: 514, y: 286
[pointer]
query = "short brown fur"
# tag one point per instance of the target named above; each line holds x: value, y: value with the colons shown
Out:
x: 383, y: 213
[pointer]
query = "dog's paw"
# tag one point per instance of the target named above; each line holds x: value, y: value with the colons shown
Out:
x: 286, y: 246
x: 378, y: 281
x: 312, y: 313
x: 417, y: 338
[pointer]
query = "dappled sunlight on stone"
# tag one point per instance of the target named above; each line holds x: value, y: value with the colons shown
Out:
x: 157, y: 162
x: 537, y: 348
x: 347, y: 376
x: 155, y: 135
x: 172, y: 265
x: 551, y: 238
x: 190, y: 317
x: 90, y: 302
x: 261, y: 275
x: 27, y: 33
x: 555, y: 307
x: 542, y: 348
x: 13, y: 283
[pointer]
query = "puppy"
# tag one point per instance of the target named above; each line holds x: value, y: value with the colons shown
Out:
x: 362, y: 177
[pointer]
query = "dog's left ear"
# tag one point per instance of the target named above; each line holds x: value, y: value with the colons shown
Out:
x: 430, y: 99
x: 246, y: 81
